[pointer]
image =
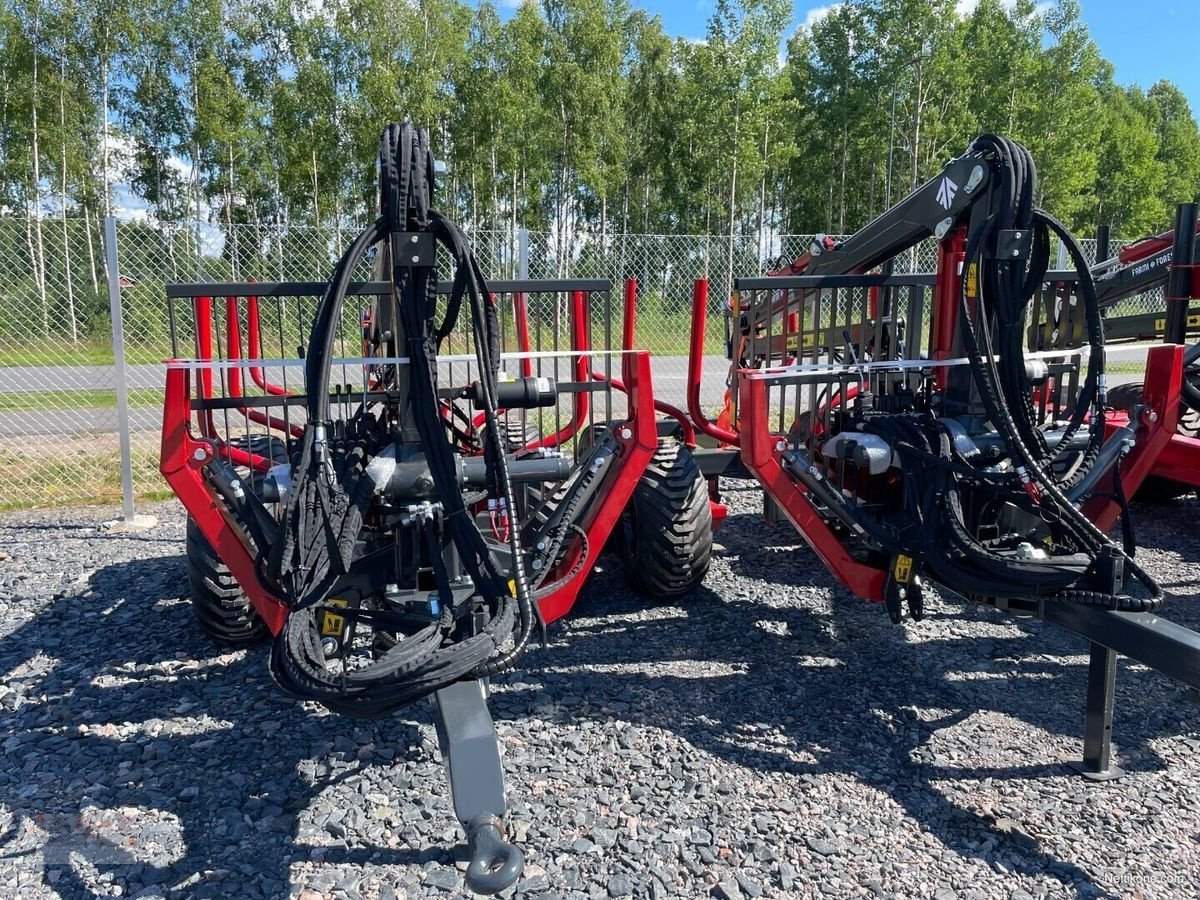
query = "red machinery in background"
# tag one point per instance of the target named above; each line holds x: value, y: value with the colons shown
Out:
x: 1166, y: 262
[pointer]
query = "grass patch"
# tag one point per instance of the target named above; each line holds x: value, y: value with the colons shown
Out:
x: 76, y: 470
x: 64, y: 353
x: 670, y: 335
x: 1126, y: 367
x: 35, y: 401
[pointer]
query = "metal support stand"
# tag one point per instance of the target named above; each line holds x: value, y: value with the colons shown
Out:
x: 129, y: 520
x: 1143, y: 637
x: 1098, y: 717
x: 471, y: 753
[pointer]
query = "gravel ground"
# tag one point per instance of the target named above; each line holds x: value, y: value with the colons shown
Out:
x: 771, y: 736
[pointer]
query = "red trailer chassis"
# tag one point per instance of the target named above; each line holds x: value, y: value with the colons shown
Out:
x: 193, y: 398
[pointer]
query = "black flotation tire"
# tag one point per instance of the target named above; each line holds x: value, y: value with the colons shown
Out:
x: 665, y: 536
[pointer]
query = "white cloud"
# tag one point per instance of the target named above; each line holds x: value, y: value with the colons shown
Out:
x: 817, y: 13
x: 965, y: 7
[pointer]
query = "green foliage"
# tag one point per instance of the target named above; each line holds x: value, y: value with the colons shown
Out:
x: 567, y: 116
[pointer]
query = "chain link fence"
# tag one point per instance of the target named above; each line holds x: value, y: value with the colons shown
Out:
x: 58, y: 410
x: 59, y: 378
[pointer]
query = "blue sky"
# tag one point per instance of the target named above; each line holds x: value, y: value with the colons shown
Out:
x: 1144, y: 39
x: 1147, y: 40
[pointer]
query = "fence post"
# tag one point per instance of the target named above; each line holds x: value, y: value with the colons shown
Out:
x: 729, y: 270
x: 118, y: 345
x: 523, y: 253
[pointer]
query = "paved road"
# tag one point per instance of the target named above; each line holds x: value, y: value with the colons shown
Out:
x: 15, y: 380
x: 670, y: 385
x: 670, y: 379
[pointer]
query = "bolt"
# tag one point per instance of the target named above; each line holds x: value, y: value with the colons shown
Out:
x: 1016, y: 251
x: 1149, y: 416
x: 537, y: 565
x: 541, y: 545
x: 199, y: 453
x: 413, y: 239
x: 416, y: 259
x: 781, y: 445
x: 329, y: 646
x: 1016, y: 235
x: 626, y: 433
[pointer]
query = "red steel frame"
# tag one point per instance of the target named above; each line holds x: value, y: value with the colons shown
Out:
x: 184, y: 455
x: 182, y: 460
x: 580, y: 400
x: 638, y: 438
x: 762, y: 454
x: 1149, y: 246
x: 696, y: 369
x: 254, y: 349
x: 234, y: 351
x: 628, y: 327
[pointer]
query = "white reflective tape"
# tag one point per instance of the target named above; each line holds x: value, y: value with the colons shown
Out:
x: 374, y: 360
x: 885, y: 365
x: 891, y: 365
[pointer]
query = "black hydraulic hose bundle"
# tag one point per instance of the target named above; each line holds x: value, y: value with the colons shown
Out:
x: 1014, y: 159
x: 325, y: 509
x: 1010, y: 279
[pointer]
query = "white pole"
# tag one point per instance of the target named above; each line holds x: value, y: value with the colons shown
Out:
x: 118, y: 345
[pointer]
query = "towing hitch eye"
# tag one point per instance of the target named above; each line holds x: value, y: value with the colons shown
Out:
x: 495, y: 864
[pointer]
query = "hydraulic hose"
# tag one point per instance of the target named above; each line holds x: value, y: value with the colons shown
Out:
x: 456, y: 644
x: 988, y: 380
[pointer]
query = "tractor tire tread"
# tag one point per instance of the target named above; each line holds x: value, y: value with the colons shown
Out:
x: 222, y: 609
x: 672, y: 520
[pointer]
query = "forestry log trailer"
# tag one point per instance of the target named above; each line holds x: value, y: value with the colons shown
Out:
x: 900, y: 424
x: 397, y: 513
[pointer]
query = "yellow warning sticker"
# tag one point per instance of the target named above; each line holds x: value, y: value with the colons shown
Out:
x: 972, y: 279
x: 1193, y: 321
x: 512, y: 586
x: 902, y: 570
x: 332, y: 623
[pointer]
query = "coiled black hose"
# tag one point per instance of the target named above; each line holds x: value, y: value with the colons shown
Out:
x: 988, y: 380
x: 458, y: 644
x: 933, y: 524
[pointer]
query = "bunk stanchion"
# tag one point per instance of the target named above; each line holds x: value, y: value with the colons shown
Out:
x: 580, y: 399
x: 254, y: 350
x: 695, y: 372
x: 234, y: 353
x: 686, y: 431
